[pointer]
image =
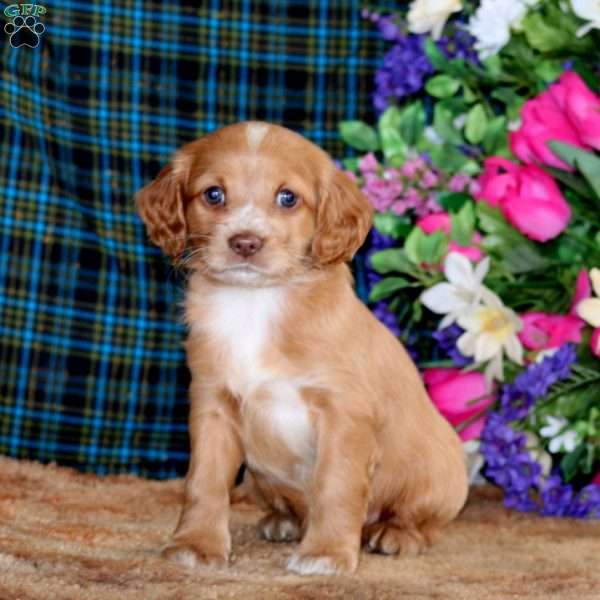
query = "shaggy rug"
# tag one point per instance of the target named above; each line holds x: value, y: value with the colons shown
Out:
x: 65, y: 535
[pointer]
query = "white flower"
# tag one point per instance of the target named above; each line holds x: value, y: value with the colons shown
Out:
x: 553, y: 426
x: 565, y: 442
x: 492, y: 22
x: 588, y: 10
x: 426, y: 16
x: 463, y: 291
x: 589, y: 308
x: 490, y: 331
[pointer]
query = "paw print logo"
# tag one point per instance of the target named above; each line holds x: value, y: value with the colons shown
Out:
x: 24, y: 31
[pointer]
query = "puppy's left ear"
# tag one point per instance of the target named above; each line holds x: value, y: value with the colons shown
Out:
x: 343, y: 220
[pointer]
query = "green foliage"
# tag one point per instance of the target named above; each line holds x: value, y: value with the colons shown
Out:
x: 412, y: 123
x: 477, y: 124
x: 423, y: 249
x: 359, y: 135
x: 463, y: 225
x: 392, y: 225
x: 393, y: 145
x: 512, y: 250
x: 442, y: 86
x: 387, y: 287
x: 587, y: 163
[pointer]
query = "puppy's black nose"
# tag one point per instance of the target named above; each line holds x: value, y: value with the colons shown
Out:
x: 245, y: 244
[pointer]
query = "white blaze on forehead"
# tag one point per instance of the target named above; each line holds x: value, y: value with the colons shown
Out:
x: 255, y: 132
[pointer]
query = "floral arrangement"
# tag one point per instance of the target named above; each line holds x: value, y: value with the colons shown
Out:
x: 484, y: 173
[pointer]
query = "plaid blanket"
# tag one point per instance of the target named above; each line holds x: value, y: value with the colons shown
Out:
x: 94, y: 98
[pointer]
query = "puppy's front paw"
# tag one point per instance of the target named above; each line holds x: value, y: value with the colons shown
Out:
x: 325, y: 563
x: 194, y: 554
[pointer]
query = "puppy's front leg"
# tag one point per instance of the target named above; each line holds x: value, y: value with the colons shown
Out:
x: 339, y: 496
x: 202, y: 535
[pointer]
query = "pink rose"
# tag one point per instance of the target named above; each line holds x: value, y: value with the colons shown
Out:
x: 596, y: 479
x: 459, y: 397
x: 543, y: 120
x: 527, y: 196
x: 595, y: 342
x: 582, y: 108
x: 499, y: 177
x: 440, y: 221
x: 435, y: 222
x: 541, y: 330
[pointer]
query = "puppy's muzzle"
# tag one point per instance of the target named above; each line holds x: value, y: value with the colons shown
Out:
x: 245, y: 244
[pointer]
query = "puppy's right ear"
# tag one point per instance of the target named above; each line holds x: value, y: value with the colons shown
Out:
x: 160, y: 205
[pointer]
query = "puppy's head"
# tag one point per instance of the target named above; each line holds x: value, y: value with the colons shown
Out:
x: 254, y: 204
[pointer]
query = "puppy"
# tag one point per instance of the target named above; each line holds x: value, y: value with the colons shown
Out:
x: 291, y: 373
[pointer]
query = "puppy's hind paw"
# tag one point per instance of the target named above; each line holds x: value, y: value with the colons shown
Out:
x: 386, y: 538
x: 278, y: 527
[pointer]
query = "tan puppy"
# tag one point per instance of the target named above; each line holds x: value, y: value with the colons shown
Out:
x: 291, y: 373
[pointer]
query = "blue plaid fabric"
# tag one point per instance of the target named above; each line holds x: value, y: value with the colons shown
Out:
x: 92, y: 371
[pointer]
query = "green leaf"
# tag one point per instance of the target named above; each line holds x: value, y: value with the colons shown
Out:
x: 476, y: 124
x: 392, y: 260
x: 493, y: 66
x: 548, y: 70
x: 463, y: 225
x: 359, y: 135
x: 393, y: 145
x: 512, y: 249
x: 569, y: 465
x: 468, y: 94
x: 411, y: 246
x: 495, y: 136
x: 444, y: 113
x: 432, y: 248
x: 511, y: 99
x: 435, y: 55
x: 575, y: 182
x: 412, y: 123
x: 393, y: 225
x: 386, y: 287
x: 448, y: 158
x: 442, y: 86
x: 586, y: 162
x: 544, y: 36
x: 453, y: 201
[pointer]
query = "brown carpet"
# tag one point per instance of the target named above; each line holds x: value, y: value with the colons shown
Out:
x: 64, y: 535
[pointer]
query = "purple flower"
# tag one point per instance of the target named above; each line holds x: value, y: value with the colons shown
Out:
x: 446, y: 339
x: 460, y: 44
x: 509, y: 464
x: 556, y: 497
x: 403, y: 72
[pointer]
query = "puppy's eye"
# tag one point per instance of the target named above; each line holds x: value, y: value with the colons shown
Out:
x: 286, y: 199
x: 214, y: 195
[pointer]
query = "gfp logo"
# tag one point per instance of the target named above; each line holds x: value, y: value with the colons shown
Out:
x: 24, y: 27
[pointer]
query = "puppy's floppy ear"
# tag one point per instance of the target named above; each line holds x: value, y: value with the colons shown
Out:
x: 343, y: 221
x: 160, y: 204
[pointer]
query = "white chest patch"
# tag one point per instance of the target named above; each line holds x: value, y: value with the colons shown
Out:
x: 242, y: 322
